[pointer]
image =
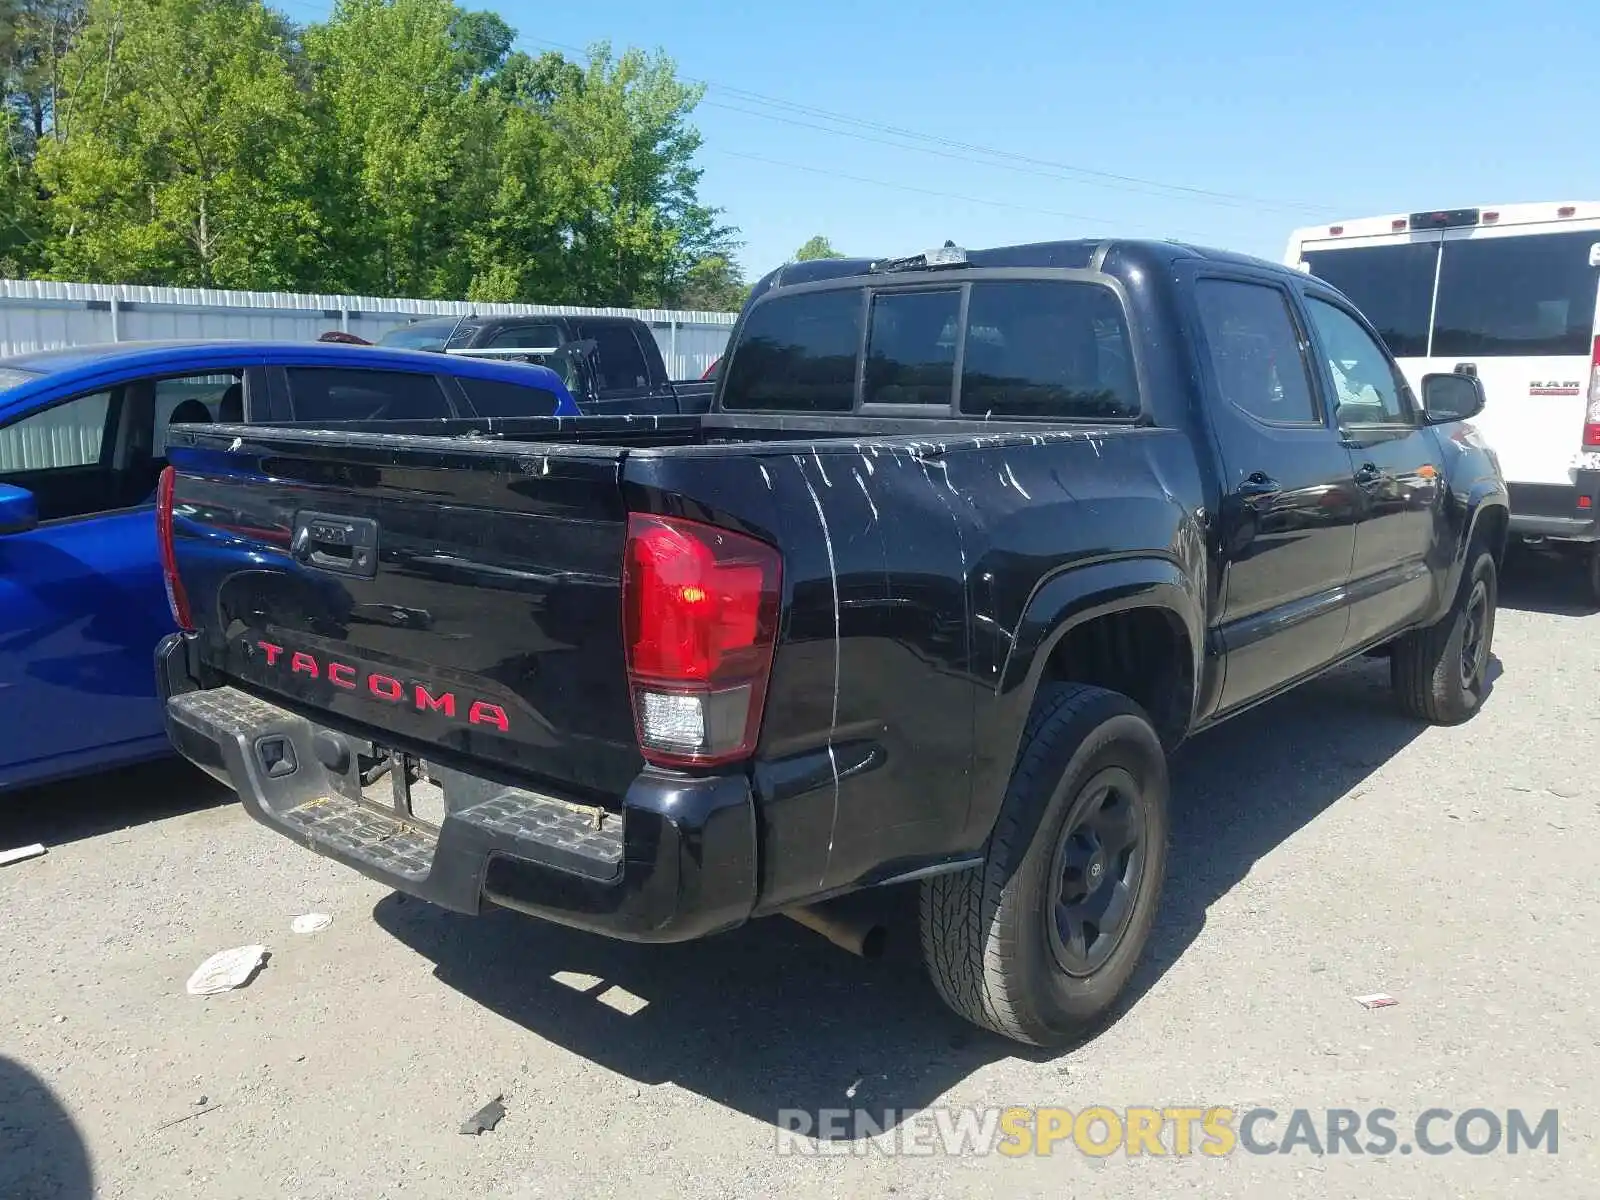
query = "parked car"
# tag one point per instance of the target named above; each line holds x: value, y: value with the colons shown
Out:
x: 611, y: 364
x: 968, y: 545
x: 1509, y: 293
x: 83, y: 436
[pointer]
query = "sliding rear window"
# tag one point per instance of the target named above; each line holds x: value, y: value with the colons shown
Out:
x: 1037, y: 348
x: 1051, y: 349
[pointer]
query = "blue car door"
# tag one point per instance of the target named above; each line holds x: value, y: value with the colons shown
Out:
x: 81, y: 599
x: 82, y: 604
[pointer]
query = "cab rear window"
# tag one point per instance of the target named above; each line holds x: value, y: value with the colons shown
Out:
x: 798, y: 354
x: 1043, y: 349
x: 1036, y: 348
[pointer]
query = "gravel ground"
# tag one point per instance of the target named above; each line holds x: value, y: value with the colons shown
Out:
x: 1325, y: 848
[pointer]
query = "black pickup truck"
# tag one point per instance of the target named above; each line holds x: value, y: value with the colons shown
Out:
x: 609, y: 364
x: 967, y: 544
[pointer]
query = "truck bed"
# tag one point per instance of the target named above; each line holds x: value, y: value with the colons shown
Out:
x: 499, y: 551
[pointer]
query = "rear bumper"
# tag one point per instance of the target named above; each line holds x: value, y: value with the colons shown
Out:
x: 1553, y: 510
x: 679, y: 862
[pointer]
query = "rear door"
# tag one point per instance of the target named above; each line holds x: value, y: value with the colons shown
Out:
x: 81, y: 600
x: 1516, y: 305
x: 622, y: 377
x: 1287, y: 521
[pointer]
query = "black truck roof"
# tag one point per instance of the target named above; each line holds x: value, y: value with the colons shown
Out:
x: 1080, y: 254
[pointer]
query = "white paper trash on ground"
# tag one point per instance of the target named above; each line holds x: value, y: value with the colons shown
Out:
x: 310, y: 922
x: 226, y: 970
x: 7, y: 857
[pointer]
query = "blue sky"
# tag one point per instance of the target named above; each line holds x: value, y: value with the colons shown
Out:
x: 1293, y: 114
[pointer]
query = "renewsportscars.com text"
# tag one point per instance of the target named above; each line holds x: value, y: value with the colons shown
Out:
x: 1168, y: 1131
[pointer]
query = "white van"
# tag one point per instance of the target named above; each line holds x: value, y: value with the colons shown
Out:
x: 1507, y: 293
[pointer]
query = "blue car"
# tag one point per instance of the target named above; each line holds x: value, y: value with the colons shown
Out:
x: 82, y: 446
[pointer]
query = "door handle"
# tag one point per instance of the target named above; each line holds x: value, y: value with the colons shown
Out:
x: 1257, y: 485
x: 342, y: 545
x: 1368, y: 473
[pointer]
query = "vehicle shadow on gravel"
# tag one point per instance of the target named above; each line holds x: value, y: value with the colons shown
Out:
x: 772, y: 1017
x: 92, y: 805
x: 1244, y: 788
x: 42, y: 1153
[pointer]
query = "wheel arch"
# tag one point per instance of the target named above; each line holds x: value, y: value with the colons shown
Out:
x: 1130, y: 625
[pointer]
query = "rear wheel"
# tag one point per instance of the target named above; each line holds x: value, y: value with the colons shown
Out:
x: 1440, y: 673
x: 1592, y: 573
x: 1039, y: 942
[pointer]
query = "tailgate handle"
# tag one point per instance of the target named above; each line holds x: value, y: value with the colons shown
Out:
x: 342, y: 545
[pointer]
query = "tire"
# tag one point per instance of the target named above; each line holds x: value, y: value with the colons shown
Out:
x: 1592, y: 575
x: 1440, y: 673
x: 990, y: 935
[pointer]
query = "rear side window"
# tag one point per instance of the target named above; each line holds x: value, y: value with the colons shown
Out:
x: 1037, y: 348
x: 1391, y: 285
x: 433, y: 335
x: 526, y: 337
x: 1255, y: 351
x: 339, y: 394
x: 619, y: 363
x: 797, y: 354
x: 911, y: 351
x: 196, y: 399
x: 1506, y: 296
x: 497, y: 398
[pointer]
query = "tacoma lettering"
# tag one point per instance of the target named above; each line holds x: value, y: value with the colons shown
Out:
x: 387, y: 688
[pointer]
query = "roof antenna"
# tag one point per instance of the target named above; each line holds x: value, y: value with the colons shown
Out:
x: 456, y: 326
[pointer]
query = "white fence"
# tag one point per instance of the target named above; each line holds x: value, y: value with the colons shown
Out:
x: 39, y: 315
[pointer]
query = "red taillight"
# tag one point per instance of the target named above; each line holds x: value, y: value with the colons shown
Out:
x: 1591, y: 419
x: 700, y: 619
x: 177, y: 599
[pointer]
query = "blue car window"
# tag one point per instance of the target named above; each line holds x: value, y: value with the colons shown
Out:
x: 497, y: 398
x: 190, y: 400
x: 340, y: 394
x: 69, y: 435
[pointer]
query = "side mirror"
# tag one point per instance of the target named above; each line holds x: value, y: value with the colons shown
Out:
x: 18, y: 510
x: 1447, y: 398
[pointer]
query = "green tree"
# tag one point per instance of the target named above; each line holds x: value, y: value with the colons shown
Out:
x: 817, y: 247
x: 714, y: 284
x: 623, y: 153
x: 34, y: 37
x: 22, y: 231
x: 408, y: 128
x: 400, y: 147
x: 177, y: 148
